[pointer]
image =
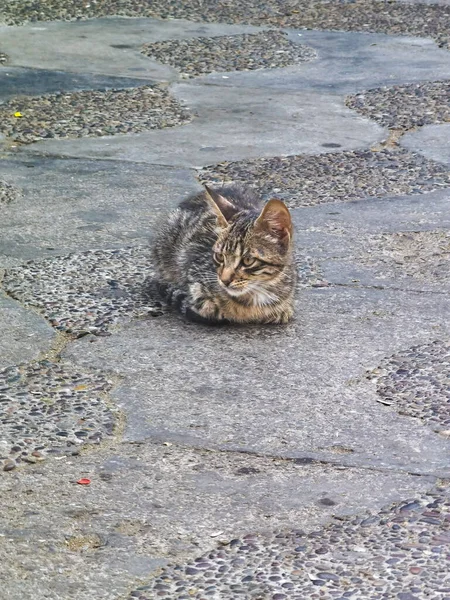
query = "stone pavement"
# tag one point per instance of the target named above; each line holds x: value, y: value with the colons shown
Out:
x: 305, y: 461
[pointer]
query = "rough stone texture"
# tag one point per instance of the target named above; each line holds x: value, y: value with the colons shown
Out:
x: 8, y: 193
x: 87, y: 293
x: 77, y: 205
x: 79, y: 114
x: 415, y: 382
x: 405, y: 107
x: 348, y: 63
x: 245, y: 52
x: 228, y: 127
x: 424, y: 255
x: 252, y: 402
x: 333, y: 177
x: 24, y: 335
x: 148, y: 505
x: 110, y: 46
x: 49, y: 408
x: 397, y: 553
x: 346, y: 240
x: 433, y: 141
x: 240, y: 431
x: 367, y: 15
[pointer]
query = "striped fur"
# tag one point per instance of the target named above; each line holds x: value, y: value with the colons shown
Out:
x: 222, y: 257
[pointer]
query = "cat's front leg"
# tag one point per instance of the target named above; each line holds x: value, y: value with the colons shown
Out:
x: 202, y: 307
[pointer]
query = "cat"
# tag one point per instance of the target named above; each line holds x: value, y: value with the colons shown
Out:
x: 223, y: 257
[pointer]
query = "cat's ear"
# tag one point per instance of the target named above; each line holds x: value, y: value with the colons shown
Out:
x: 275, y: 219
x: 223, y: 208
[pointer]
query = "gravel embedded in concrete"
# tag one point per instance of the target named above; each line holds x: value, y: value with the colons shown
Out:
x: 50, y: 408
x: 333, y: 177
x: 400, y: 553
x: 360, y: 15
x: 86, y: 292
x: 405, y: 106
x: 91, y: 291
x: 8, y: 193
x: 424, y: 255
x: 90, y: 113
x: 416, y: 382
x: 245, y: 52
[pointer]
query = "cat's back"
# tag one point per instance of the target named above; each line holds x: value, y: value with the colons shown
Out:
x: 242, y: 198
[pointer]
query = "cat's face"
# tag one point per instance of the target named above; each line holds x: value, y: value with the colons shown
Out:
x: 252, y: 250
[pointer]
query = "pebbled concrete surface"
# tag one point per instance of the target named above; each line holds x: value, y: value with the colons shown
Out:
x: 220, y: 434
x: 307, y: 120
x: 174, y: 390
x: 108, y: 46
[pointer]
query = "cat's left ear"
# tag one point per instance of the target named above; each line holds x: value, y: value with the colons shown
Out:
x: 223, y: 208
x: 275, y: 218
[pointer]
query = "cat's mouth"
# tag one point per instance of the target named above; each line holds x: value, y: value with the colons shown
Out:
x: 233, y: 290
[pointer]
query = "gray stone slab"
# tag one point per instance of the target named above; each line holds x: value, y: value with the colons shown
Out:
x: 108, y: 46
x: 15, y: 81
x: 148, y: 505
x: 433, y: 141
x: 340, y: 239
x: 281, y: 391
x: 349, y: 63
x: 228, y: 127
x: 24, y: 335
x: 69, y: 205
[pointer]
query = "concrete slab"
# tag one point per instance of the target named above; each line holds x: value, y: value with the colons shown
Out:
x: 69, y: 205
x: 433, y: 141
x: 343, y: 240
x: 109, y: 46
x: 291, y: 391
x: 349, y: 63
x: 15, y: 81
x: 228, y: 127
x: 24, y: 336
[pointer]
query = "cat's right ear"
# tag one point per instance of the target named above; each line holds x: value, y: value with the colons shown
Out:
x: 223, y: 208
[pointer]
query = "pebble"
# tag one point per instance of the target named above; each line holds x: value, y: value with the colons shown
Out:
x: 8, y: 193
x: 9, y: 465
x: 417, y: 381
x: 332, y: 177
x: 380, y: 17
x: 43, y: 405
x: 90, y: 113
x: 244, y: 52
x: 405, y: 106
x: 271, y: 568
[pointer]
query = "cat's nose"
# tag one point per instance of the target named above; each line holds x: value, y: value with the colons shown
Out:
x: 227, y: 277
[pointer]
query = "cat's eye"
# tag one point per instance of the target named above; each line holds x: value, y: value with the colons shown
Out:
x: 248, y: 261
x: 218, y: 257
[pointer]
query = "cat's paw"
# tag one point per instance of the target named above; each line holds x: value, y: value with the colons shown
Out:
x: 195, y: 317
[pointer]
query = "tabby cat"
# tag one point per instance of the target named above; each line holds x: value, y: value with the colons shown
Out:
x: 222, y: 257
